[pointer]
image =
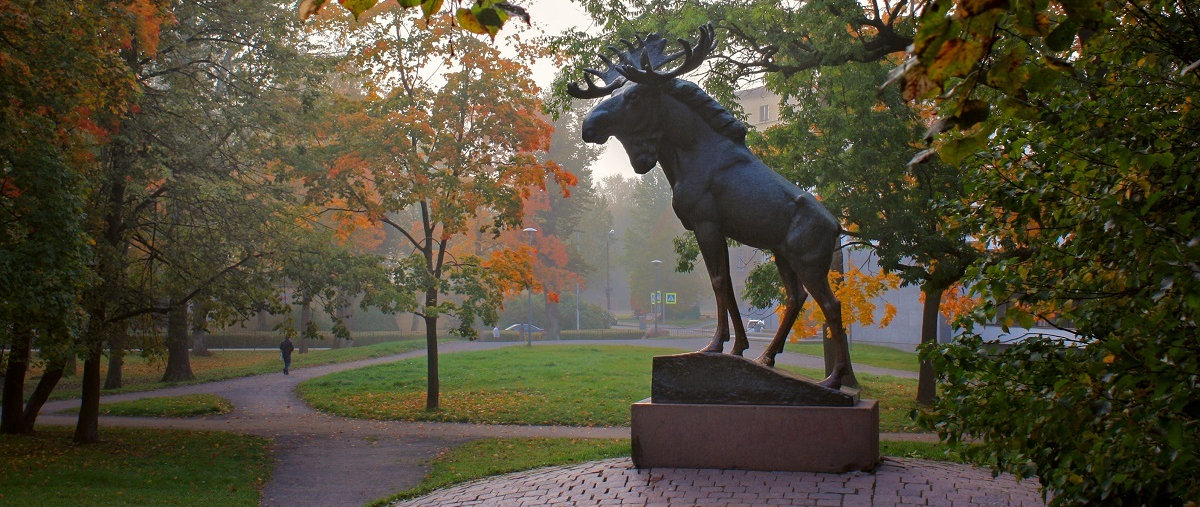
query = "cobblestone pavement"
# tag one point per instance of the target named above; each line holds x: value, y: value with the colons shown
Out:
x: 615, y: 482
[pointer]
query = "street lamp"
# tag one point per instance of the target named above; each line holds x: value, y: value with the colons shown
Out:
x: 612, y: 235
x: 529, y: 326
x: 657, y: 303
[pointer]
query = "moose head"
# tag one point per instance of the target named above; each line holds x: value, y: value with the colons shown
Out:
x: 636, y: 88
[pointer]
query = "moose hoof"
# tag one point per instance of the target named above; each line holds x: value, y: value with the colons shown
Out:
x: 737, y: 351
x: 714, y: 348
x: 832, y: 382
x: 765, y: 360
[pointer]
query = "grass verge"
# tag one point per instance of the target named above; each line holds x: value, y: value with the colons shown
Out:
x: 586, y: 385
x: 188, y: 405
x: 133, y: 467
x: 870, y: 355
x: 143, y: 374
x: 497, y: 456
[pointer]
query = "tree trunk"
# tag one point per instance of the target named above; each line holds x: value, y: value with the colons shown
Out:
x: 926, y: 385
x: 12, y: 421
x: 179, y: 365
x: 87, y: 429
x: 431, y: 354
x: 200, y: 331
x: 416, y: 323
x: 553, y: 323
x: 199, y: 348
x: 262, y: 321
x: 305, y: 318
x: 116, y: 361
x: 41, y: 393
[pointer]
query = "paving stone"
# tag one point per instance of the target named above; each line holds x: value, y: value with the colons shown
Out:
x: 895, y: 482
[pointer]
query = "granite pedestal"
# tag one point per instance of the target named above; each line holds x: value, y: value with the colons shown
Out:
x: 723, y: 411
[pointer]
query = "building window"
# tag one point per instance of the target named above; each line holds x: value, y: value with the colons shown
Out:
x: 764, y: 113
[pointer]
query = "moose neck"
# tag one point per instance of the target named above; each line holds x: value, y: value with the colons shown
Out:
x: 687, y: 140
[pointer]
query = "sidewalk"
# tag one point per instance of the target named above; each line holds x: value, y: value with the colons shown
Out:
x: 324, y: 460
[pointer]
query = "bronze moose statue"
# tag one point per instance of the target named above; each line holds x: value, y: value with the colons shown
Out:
x: 719, y: 188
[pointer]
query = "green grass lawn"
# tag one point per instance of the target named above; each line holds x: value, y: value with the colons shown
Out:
x: 133, y: 467
x: 586, y: 385
x: 590, y: 385
x: 142, y: 374
x: 861, y: 353
x: 188, y: 405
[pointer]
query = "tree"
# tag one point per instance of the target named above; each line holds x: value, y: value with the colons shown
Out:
x: 1077, y: 125
x: 62, y: 86
x: 484, y: 17
x: 653, y: 229
x: 759, y: 37
x: 181, y: 206
x: 557, y: 214
x: 442, y: 150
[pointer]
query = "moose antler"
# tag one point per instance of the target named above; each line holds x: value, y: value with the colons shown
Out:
x: 641, y: 61
x: 693, y: 56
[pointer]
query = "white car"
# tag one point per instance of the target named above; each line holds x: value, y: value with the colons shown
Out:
x: 755, y: 325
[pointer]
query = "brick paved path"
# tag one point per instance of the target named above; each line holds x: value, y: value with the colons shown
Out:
x: 616, y: 482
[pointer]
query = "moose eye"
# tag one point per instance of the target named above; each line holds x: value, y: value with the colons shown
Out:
x: 634, y: 94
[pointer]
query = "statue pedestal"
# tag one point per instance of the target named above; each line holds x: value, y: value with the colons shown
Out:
x: 724, y: 411
x: 756, y: 437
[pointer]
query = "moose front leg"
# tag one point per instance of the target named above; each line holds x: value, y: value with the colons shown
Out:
x: 716, y: 261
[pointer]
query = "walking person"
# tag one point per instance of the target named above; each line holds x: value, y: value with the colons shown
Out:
x: 285, y: 350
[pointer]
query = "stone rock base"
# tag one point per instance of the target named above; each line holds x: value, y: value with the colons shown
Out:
x: 756, y: 437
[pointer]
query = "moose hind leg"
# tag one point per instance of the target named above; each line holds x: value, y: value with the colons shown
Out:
x: 794, y: 303
x: 816, y: 282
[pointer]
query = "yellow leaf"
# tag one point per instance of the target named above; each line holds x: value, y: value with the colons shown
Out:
x: 467, y: 21
x: 308, y: 7
x: 431, y: 7
x: 357, y: 7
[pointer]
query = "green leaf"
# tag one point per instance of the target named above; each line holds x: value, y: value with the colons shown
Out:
x: 971, y: 113
x: 431, y: 7
x: 1023, y: 318
x: 490, y: 18
x: 467, y: 22
x: 357, y: 7
x: 409, y: 3
x: 1007, y: 74
x: 953, y: 152
x: 972, y: 7
x: 1063, y: 35
x: 955, y: 58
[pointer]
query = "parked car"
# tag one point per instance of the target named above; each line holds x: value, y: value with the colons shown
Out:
x: 755, y: 325
x: 521, y: 327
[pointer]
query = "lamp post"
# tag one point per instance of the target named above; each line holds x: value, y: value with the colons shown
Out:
x: 529, y: 326
x: 657, y: 303
x: 577, y: 289
x: 612, y: 234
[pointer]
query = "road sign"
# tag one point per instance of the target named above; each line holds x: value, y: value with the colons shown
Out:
x: 671, y: 298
